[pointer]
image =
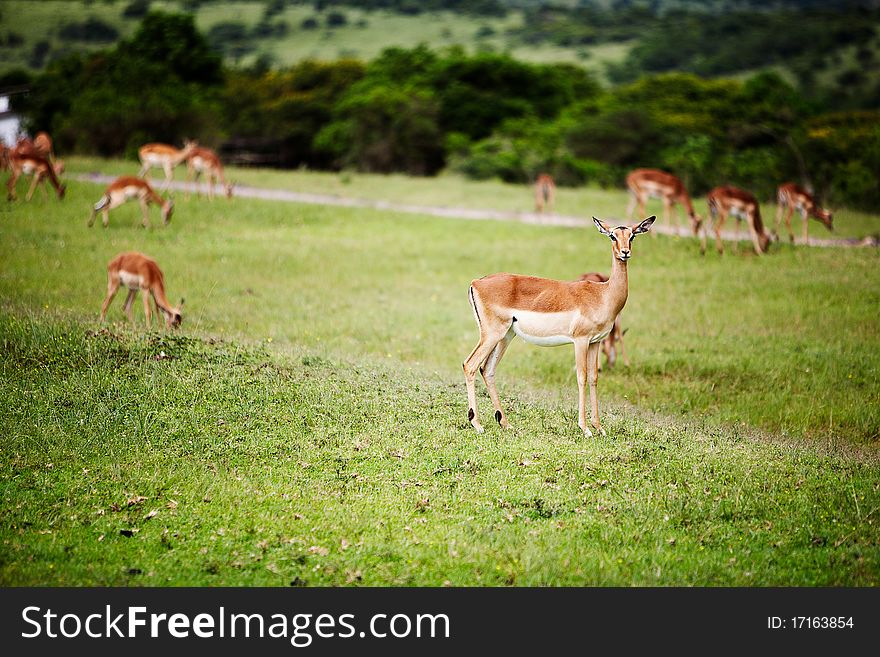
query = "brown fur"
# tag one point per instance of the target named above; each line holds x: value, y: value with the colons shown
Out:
x: 673, y: 191
x: 548, y: 312
x: 724, y: 198
x: 152, y: 284
x: 614, y: 341
x: 213, y: 170
x: 165, y: 156
x: 790, y: 195
x: 42, y: 170
x: 545, y: 193
x: 113, y: 198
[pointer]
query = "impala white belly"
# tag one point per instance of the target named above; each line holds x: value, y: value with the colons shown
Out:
x: 654, y: 190
x: 550, y: 329
x: 738, y: 211
x: 129, y: 280
x: 155, y: 160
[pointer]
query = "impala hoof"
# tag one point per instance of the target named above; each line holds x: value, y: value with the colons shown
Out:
x: 601, y: 431
x: 587, y: 432
x: 478, y: 427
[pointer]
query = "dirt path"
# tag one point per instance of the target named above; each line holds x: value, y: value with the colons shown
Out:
x: 457, y: 213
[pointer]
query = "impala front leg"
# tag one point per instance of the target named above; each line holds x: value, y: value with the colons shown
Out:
x: 581, y: 355
x: 592, y: 381
x: 145, y: 209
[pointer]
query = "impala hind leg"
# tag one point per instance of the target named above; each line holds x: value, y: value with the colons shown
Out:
x: 488, y: 372
x: 488, y: 341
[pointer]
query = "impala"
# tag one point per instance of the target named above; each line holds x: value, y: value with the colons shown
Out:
x: 127, y: 188
x: 548, y: 313
x: 726, y: 200
x: 653, y: 183
x: 164, y: 157
x: 791, y: 197
x: 137, y: 272
x: 204, y: 160
x: 615, y: 338
x: 28, y: 163
x: 545, y: 193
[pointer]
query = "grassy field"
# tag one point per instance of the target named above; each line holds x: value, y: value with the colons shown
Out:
x: 456, y: 191
x: 307, y: 425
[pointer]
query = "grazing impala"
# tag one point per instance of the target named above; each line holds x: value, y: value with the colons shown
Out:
x: 545, y: 193
x: 615, y: 338
x: 137, y: 272
x: 548, y: 313
x: 164, y: 157
x: 726, y: 200
x: 204, y: 160
x: 28, y: 162
x: 791, y: 197
x: 127, y: 188
x: 653, y: 183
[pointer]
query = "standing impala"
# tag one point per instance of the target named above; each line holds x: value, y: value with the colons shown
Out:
x: 545, y: 193
x: 653, y: 183
x: 726, y: 200
x: 137, y: 272
x: 164, y: 157
x: 204, y: 160
x: 127, y: 188
x: 548, y: 313
x: 791, y: 197
x: 28, y: 162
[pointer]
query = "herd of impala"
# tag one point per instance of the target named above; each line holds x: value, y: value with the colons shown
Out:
x: 545, y: 312
x: 134, y: 271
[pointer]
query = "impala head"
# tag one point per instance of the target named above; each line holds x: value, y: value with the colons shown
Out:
x: 826, y: 217
x: 622, y: 236
x: 227, y: 189
x: 190, y: 146
x: 58, y: 167
x: 173, y: 318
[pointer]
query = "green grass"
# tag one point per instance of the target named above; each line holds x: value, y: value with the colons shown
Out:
x: 307, y: 424
x: 455, y: 191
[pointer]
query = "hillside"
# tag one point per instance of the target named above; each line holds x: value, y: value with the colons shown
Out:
x: 834, y: 47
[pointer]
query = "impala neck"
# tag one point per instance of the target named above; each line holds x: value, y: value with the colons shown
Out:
x: 618, y: 284
x: 687, y: 203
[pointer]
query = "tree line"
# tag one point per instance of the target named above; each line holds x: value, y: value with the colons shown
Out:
x: 487, y: 115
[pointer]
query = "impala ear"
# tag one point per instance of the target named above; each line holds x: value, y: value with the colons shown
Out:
x: 182, y: 300
x: 602, y: 226
x: 645, y: 226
